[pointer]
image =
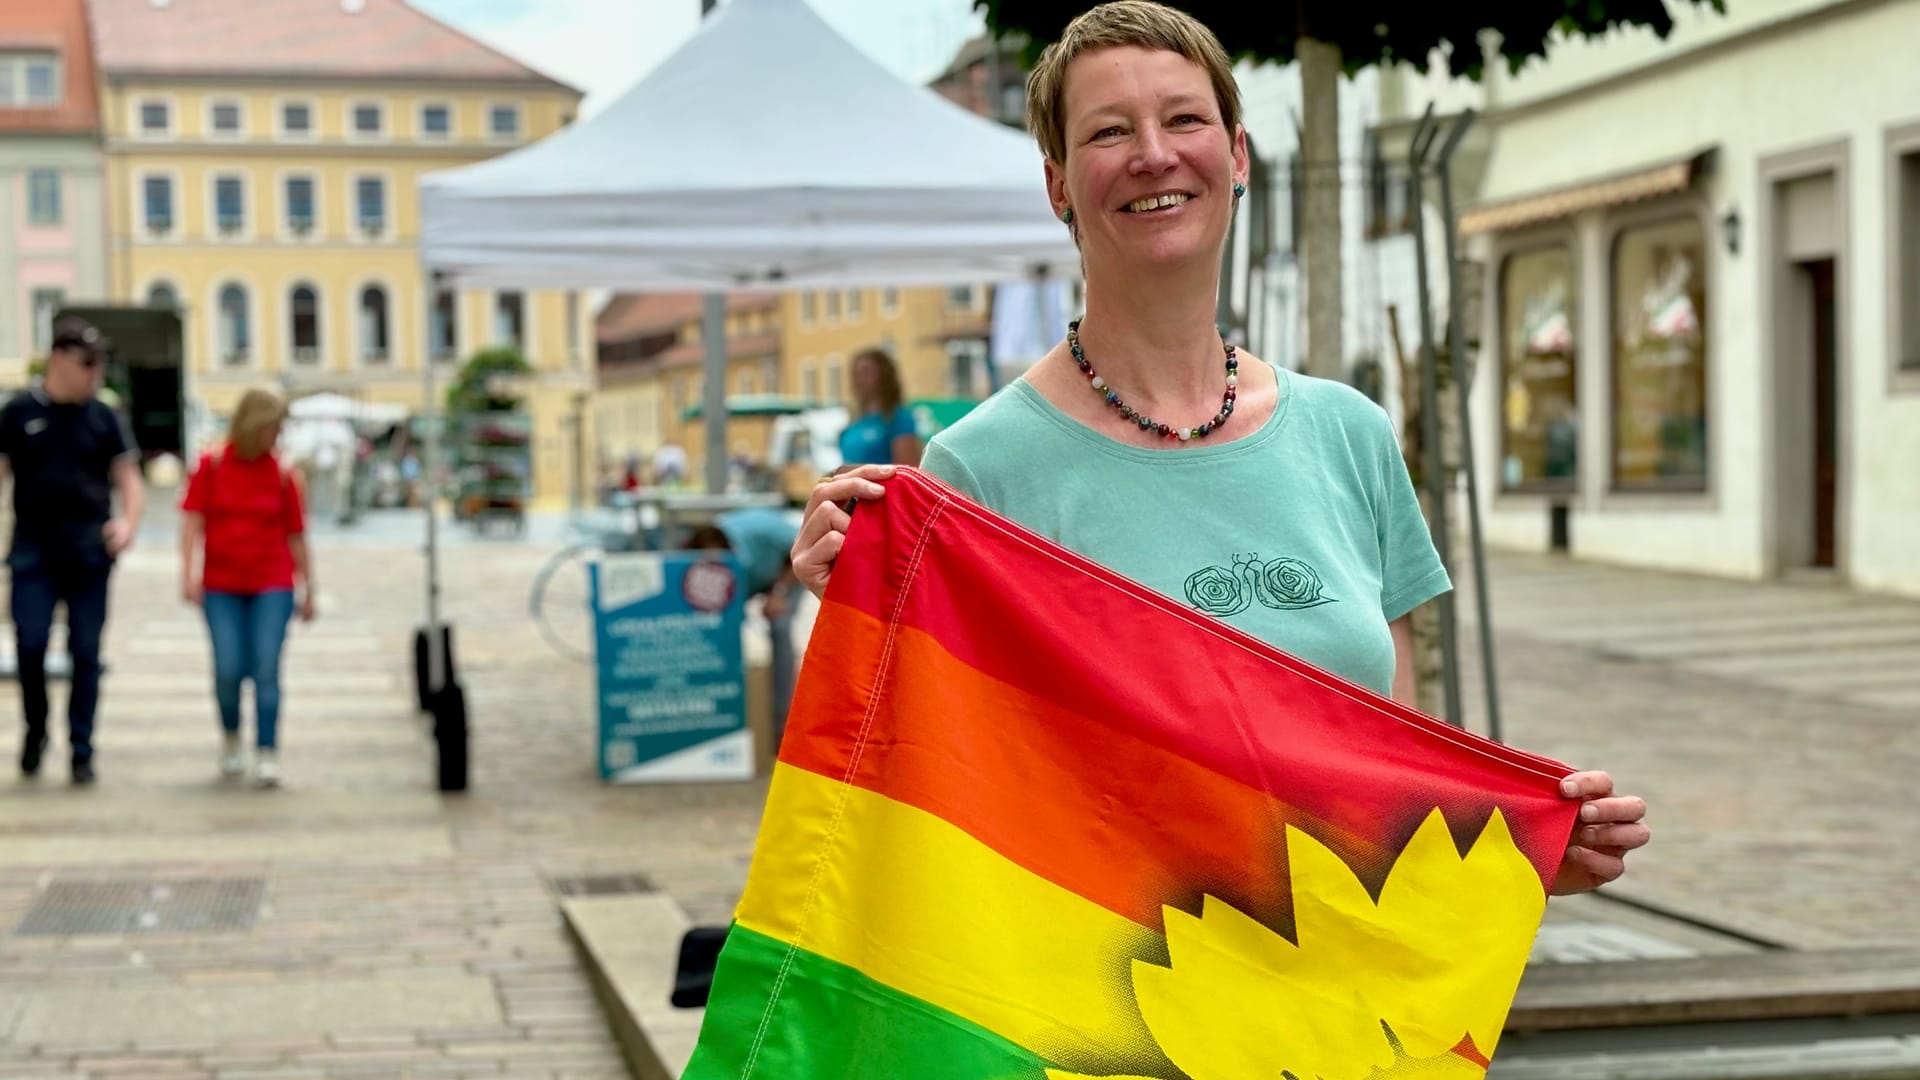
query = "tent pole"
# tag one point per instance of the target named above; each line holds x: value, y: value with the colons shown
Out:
x: 430, y: 460
x: 713, y: 331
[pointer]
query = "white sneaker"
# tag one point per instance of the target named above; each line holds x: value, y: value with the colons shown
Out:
x: 233, y: 759
x: 266, y: 769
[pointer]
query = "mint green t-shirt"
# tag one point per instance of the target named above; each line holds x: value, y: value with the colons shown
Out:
x: 1305, y: 534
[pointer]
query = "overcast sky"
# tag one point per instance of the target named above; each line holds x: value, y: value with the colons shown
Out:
x: 603, y: 46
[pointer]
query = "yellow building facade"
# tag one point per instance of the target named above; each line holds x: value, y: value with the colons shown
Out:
x: 652, y: 371
x: 281, y: 217
x: 930, y: 333
x: 796, y: 345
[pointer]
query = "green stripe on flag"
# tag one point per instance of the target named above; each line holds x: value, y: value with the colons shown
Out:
x: 832, y: 1021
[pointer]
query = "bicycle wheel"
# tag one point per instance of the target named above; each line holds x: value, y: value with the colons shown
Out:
x: 562, y: 602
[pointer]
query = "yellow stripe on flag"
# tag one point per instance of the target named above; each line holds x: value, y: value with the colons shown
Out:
x: 914, y: 902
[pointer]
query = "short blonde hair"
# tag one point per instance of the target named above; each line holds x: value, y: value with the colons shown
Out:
x: 1113, y: 25
x: 253, y: 419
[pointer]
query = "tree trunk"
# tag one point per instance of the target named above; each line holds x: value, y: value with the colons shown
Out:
x: 1320, y: 202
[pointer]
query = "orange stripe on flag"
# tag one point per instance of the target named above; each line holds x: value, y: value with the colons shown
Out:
x: 1091, y: 808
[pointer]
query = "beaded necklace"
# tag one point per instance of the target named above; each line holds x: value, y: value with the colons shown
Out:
x: 1146, y: 422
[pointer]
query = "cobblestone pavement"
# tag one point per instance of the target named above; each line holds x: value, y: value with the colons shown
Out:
x: 400, y: 933
x: 1757, y: 721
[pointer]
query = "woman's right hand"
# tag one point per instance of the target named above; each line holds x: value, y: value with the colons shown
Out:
x: 191, y: 592
x: 824, y: 529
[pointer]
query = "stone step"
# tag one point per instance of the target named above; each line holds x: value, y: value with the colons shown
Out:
x: 630, y: 945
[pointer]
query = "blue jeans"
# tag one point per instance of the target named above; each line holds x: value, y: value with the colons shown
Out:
x: 79, y: 582
x: 247, y: 633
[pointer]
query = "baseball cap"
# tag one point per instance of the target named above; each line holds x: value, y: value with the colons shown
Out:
x: 76, y: 333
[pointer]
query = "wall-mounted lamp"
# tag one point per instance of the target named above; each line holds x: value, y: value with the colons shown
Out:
x: 1730, y: 229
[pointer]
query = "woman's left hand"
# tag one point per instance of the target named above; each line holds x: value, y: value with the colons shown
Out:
x: 307, y: 611
x: 1610, y: 826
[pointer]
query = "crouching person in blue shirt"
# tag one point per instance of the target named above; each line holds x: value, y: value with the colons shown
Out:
x: 761, y: 538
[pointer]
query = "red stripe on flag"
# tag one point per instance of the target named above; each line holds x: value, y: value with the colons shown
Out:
x: 1031, y: 614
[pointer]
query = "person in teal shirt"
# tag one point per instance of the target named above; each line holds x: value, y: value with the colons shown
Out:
x: 1148, y: 443
x: 882, y: 431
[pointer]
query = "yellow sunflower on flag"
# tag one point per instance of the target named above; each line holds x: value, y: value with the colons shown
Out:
x: 1414, y: 986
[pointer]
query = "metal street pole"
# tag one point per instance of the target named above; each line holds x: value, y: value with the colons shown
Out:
x: 1456, y: 318
x: 1434, y: 471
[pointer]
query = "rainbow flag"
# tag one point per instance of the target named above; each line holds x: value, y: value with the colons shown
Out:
x: 1032, y: 820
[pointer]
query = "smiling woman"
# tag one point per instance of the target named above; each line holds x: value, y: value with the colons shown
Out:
x: 1273, y: 501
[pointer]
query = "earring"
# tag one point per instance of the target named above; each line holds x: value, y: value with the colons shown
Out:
x: 1066, y: 216
x: 1239, y: 190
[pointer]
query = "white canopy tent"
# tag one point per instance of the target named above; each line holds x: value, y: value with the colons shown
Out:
x: 766, y: 153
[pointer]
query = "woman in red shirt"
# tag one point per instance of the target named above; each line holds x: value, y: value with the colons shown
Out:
x: 243, y: 548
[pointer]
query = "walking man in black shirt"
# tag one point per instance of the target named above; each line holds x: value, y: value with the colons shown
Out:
x: 68, y: 453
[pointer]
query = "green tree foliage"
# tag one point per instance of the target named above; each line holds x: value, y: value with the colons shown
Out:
x: 477, y: 387
x: 1419, y: 34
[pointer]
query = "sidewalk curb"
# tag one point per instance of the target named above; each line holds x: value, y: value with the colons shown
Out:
x: 630, y: 945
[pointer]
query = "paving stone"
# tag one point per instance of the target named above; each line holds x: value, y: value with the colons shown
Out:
x: 287, y: 1008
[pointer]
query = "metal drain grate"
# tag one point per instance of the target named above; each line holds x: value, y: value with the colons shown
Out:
x: 603, y: 885
x: 145, y: 907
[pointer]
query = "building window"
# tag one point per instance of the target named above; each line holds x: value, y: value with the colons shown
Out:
x: 1013, y: 99
x: 296, y: 119
x: 156, y: 117
x: 855, y: 298
x: 1538, y: 342
x: 889, y: 301
x: 236, y: 332
x: 31, y: 80
x: 807, y: 310
x: 160, y: 295
x: 833, y: 305
x: 43, y: 80
x: 743, y: 383
x: 510, y: 320
x: 370, y: 204
x: 436, y: 121
x: 369, y: 120
x: 300, y: 219
x: 156, y: 193
x: 374, y: 340
x: 229, y: 205
x: 503, y: 121
x: 960, y: 298
x: 441, y: 321
x: 46, y: 304
x: 303, y: 308
x: 1660, y: 358
x: 1386, y: 195
x: 223, y: 118
x: 810, y: 381
x: 43, y: 197
x: 835, y: 391
x: 1906, y: 229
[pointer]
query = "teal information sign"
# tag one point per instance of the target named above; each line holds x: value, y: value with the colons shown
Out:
x: 671, y: 678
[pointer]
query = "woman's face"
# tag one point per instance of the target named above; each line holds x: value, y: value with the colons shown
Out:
x: 1143, y: 128
x: 866, y: 379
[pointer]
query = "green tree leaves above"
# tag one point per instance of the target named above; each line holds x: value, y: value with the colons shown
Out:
x: 1452, y: 34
